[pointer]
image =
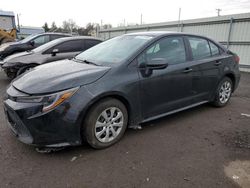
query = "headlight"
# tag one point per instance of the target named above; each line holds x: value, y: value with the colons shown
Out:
x: 49, y: 101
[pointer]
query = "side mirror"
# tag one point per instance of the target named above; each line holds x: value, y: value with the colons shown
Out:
x: 32, y: 43
x: 157, y: 63
x: 54, y: 52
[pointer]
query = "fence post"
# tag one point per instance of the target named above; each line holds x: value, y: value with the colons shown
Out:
x: 229, y: 32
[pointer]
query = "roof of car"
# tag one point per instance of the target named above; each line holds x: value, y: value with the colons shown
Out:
x: 163, y: 33
x: 154, y: 33
x: 77, y: 38
x: 52, y: 33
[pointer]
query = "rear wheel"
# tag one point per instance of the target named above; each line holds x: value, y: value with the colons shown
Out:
x: 223, y: 92
x: 105, y: 123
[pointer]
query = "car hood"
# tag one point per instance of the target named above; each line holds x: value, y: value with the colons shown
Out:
x: 58, y: 76
x: 18, y: 57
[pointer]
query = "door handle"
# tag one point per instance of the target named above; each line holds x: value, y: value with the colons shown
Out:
x: 217, y: 63
x: 187, y: 70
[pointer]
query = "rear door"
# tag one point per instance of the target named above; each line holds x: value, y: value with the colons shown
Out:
x: 206, y: 57
x: 170, y: 88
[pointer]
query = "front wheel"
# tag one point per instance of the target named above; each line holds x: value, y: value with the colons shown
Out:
x: 223, y: 92
x: 105, y: 123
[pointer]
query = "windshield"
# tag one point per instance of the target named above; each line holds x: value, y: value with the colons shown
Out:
x: 115, y: 50
x: 28, y: 38
x: 47, y: 45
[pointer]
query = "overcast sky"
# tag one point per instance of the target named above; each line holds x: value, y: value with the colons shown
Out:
x: 37, y: 12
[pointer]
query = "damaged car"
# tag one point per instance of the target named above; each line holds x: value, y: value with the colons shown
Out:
x: 29, y: 43
x: 119, y: 83
x: 62, y: 48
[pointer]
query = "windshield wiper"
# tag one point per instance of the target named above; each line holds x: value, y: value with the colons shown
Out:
x: 77, y: 60
x: 89, y: 62
x: 84, y: 61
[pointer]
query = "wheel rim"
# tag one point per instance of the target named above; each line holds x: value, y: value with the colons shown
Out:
x: 109, y: 124
x: 225, y: 92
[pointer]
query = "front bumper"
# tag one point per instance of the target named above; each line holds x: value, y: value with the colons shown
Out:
x: 17, y: 126
x: 57, y: 128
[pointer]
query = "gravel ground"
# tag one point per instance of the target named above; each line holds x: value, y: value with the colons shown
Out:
x: 193, y: 148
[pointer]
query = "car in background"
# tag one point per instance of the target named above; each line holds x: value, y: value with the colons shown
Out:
x: 119, y: 83
x: 62, y: 48
x: 29, y: 43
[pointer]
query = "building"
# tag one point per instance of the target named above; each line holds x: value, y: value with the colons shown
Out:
x: 26, y: 31
x: 7, y: 20
x: 233, y: 31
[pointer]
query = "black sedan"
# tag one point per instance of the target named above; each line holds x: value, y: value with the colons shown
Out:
x: 62, y: 48
x: 117, y: 84
x: 29, y: 43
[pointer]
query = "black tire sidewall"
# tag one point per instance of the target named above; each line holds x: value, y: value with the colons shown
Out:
x: 217, y: 101
x: 91, y: 118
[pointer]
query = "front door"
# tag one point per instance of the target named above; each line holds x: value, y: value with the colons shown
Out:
x: 167, y: 89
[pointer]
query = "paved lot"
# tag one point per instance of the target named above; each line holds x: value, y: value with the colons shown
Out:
x: 200, y: 147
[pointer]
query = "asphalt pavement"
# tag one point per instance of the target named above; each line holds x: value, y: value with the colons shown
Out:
x: 200, y: 147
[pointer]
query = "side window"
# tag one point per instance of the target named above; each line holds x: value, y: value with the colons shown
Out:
x: 41, y: 39
x: 90, y: 43
x: 70, y: 46
x: 200, y: 48
x: 170, y: 48
x: 214, y: 49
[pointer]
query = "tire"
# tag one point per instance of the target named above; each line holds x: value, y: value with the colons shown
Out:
x: 99, y: 122
x: 223, y: 92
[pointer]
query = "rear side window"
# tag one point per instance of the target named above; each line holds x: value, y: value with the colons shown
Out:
x: 200, y: 48
x: 214, y: 49
x: 170, y: 48
x: 69, y: 46
x: 90, y: 43
x: 41, y: 39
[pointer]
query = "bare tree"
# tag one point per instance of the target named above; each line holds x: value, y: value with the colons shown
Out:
x: 69, y: 26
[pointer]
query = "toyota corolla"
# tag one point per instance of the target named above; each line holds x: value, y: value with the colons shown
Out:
x: 120, y: 83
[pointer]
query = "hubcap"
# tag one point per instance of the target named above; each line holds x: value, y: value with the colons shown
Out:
x: 225, y: 92
x: 109, y: 124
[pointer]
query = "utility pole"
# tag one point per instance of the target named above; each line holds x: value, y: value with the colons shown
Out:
x: 18, y: 24
x: 179, y: 19
x: 141, y: 19
x: 218, y: 11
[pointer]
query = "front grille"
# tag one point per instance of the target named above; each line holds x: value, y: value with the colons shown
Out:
x: 17, y: 125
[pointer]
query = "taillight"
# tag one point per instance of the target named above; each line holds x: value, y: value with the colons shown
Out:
x: 237, y: 59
